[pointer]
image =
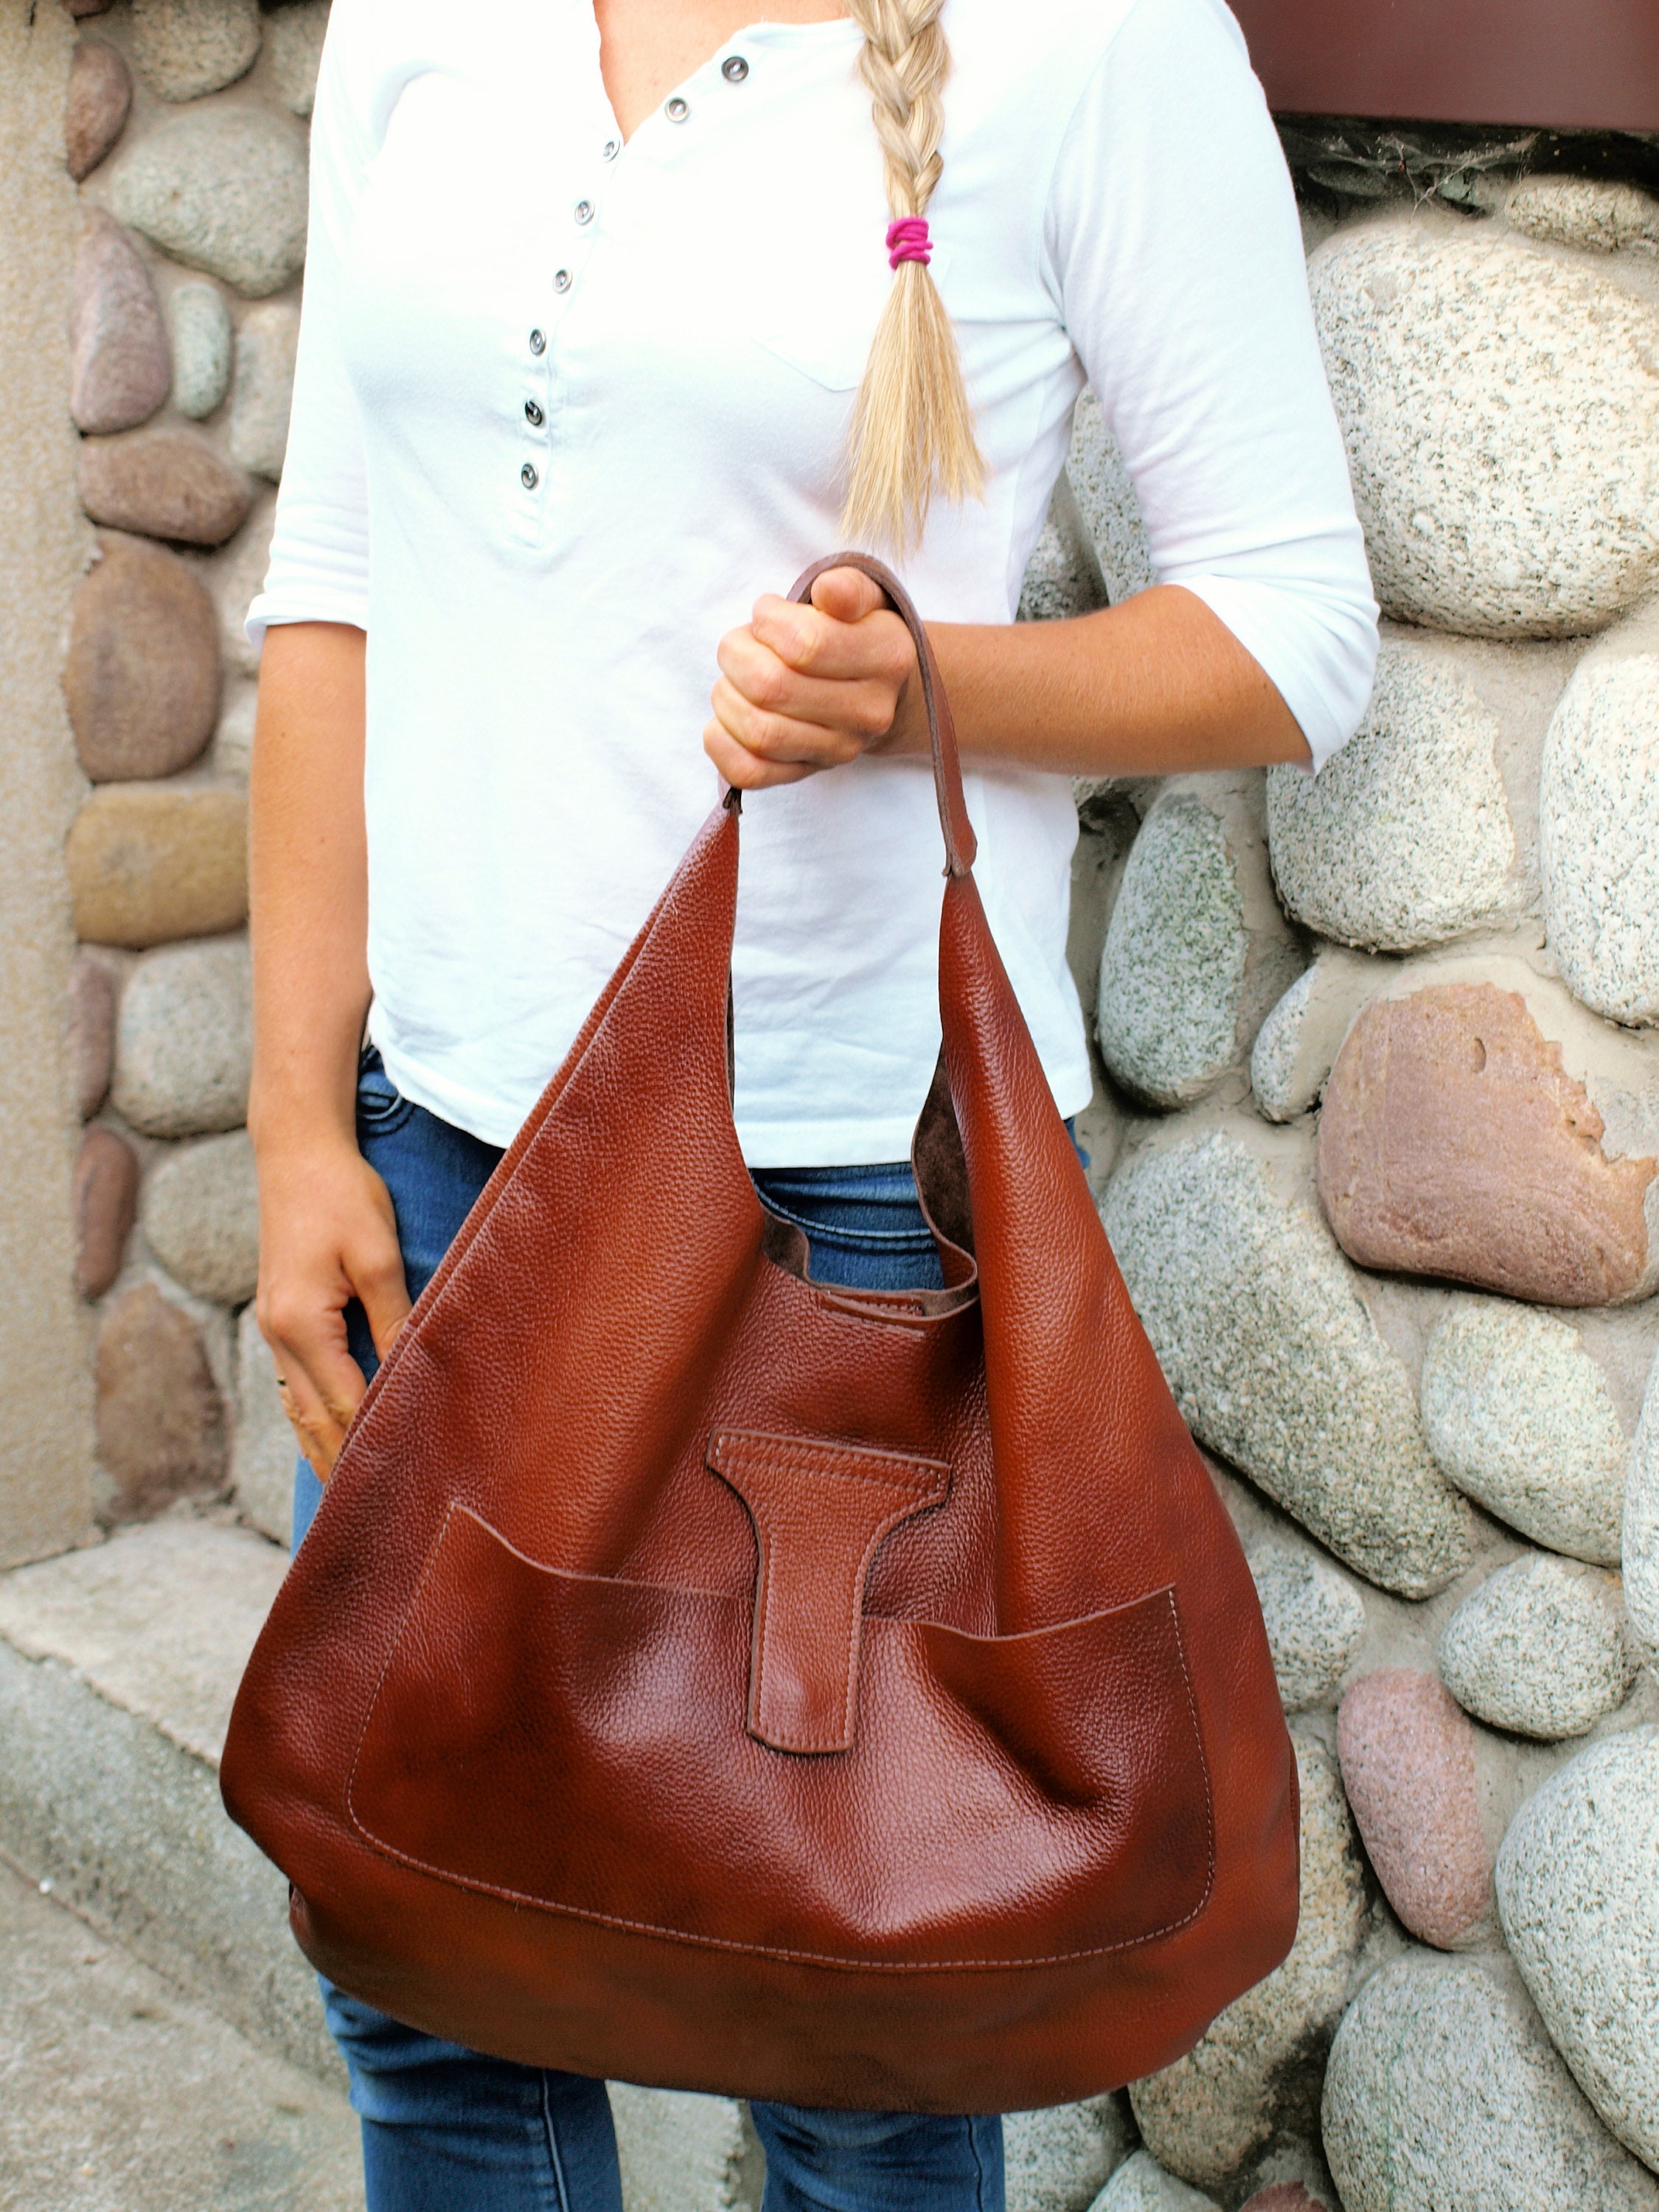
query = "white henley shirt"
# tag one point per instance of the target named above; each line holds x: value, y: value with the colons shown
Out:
x: 565, y: 406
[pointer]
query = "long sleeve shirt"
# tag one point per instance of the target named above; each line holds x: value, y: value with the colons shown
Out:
x: 565, y: 406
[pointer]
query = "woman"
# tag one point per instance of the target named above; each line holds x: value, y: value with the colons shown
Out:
x: 614, y: 318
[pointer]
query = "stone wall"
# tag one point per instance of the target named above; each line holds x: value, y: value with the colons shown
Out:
x: 1375, y: 1136
x: 1376, y: 1150
x: 186, y: 125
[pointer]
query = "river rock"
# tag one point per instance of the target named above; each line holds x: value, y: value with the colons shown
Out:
x: 1197, y: 950
x: 184, y: 1040
x: 1578, y: 1894
x: 1538, y: 1649
x: 1518, y: 1415
x: 1444, y: 2095
x: 264, y: 1457
x: 149, y: 863
x: 1407, y: 1754
x: 1599, y: 836
x: 142, y: 677
x: 162, y: 1431
x: 1062, y: 577
x: 1284, y: 2197
x: 1274, y: 1362
x: 233, y: 743
x: 1059, y: 2160
x: 1314, y: 1620
x: 198, y: 322
x: 1256, y: 2070
x: 264, y: 390
x: 105, y: 1198
x: 185, y: 48
x: 91, y: 1032
x: 221, y: 188
x: 163, y: 483
x: 241, y: 576
x: 1296, y: 1045
x: 1500, y: 408
x: 295, y: 35
x: 1586, y: 212
x: 1641, y: 1528
x: 1454, y: 1143
x: 1405, y: 839
x: 1107, y: 503
x: 201, y: 1216
x: 120, y: 368
x: 1141, y: 2185
x: 99, y: 101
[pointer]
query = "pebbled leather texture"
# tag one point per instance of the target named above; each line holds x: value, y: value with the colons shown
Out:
x: 702, y: 1676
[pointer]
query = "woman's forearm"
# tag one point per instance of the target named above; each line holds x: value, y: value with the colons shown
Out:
x: 1154, y: 687
x: 309, y: 882
x: 327, y: 1230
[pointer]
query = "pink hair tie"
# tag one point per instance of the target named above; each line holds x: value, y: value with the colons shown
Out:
x: 908, y: 240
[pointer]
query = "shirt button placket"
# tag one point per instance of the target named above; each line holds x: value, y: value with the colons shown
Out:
x: 535, y: 415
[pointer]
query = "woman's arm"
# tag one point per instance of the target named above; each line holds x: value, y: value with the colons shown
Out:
x: 1157, y: 685
x: 326, y: 1230
x: 1185, y: 296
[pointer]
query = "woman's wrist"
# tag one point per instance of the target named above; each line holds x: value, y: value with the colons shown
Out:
x: 286, y: 1122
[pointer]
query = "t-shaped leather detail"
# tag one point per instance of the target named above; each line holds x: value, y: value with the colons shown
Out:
x: 820, y: 1509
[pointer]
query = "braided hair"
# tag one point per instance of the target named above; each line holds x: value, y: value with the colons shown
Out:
x: 913, y: 430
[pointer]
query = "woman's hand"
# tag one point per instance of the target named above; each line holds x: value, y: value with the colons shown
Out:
x: 327, y: 1235
x: 809, y: 686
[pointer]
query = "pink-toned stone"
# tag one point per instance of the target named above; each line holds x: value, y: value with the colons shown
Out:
x: 1406, y: 1750
x: 91, y: 1032
x: 105, y: 1195
x: 1284, y: 2197
x: 149, y: 863
x: 1454, y: 1143
x: 160, y: 1420
x: 98, y: 103
x: 121, y: 369
x: 141, y: 680
x: 163, y: 483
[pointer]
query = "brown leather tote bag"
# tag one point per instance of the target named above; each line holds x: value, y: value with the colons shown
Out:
x: 708, y: 1677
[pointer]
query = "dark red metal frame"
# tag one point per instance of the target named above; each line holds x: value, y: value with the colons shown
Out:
x: 1552, y: 64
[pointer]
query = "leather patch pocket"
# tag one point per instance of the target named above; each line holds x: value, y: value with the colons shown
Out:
x: 579, y: 1745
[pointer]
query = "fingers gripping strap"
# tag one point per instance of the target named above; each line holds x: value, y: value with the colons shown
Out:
x: 960, y: 844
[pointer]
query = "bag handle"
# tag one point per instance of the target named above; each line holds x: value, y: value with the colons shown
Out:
x: 960, y: 843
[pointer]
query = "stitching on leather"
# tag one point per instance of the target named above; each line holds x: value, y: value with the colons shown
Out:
x: 800, y: 1745
x: 803, y: 1458
x: 767, y: 1951
x: 1203, y: 1761
x: 892, y: 1468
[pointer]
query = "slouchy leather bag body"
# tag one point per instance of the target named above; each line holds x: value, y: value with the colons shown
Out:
x: 706, y: 1677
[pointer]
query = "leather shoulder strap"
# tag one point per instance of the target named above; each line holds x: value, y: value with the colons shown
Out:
x: 960, y: 843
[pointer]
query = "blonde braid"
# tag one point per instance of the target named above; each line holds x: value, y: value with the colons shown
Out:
x: 913, y: 430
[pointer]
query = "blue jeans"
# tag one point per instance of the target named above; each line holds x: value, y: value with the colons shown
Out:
x: 446, y: 2130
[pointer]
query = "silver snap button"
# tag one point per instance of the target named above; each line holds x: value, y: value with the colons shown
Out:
x: 734, y: 68
x: 532, y: 414
x: 561, y: 283
x: 612, y: 148
x: 677, y: 109
x: 527, y: 475
x: 584, y: 210
x: 538, y: 342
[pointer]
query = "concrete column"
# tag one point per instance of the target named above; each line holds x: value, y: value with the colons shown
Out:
x: 45, y: 1385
